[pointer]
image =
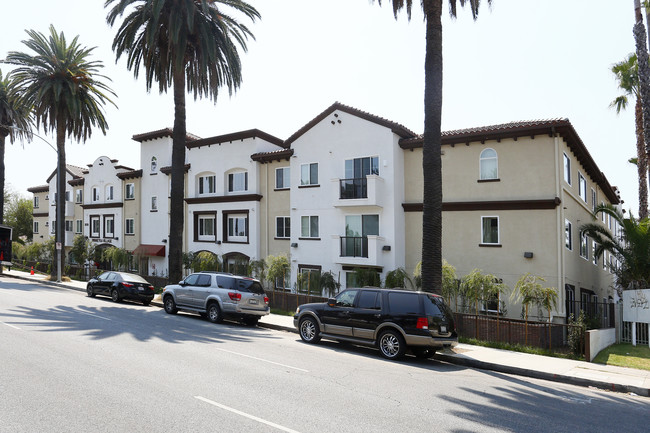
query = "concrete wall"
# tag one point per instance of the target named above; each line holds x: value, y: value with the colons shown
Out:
x: 597, y: 340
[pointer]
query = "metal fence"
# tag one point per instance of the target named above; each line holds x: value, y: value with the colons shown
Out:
x: 641, y: 333
x: 599, y: 315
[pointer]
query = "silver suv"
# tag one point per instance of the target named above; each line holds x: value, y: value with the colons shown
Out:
x: 216, y: 295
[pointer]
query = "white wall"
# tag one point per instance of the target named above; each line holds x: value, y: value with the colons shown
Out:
x: 599, y: 339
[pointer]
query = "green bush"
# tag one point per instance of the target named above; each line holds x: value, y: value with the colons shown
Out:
x: 577, y: 333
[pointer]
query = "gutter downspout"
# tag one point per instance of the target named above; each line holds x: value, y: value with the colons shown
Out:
x: 560, y: 223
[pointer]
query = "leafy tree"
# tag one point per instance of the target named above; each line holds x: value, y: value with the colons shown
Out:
x: 367, y: 277
x: 188, y: 45
x: 328, y: 284
x: 82, y: 249
x: 118, y: 257
x: 627, y: 74
x: 19, y: 216
x: 15, y: 123
x: 431, y: 150
x: 34, y: 251
x: 278, y: 267
x: 479, y: 287
x: 450, y: 283
x: 257, y: 270
x: 398, y: 278
x: 62, y: 85
x: 631, y: 249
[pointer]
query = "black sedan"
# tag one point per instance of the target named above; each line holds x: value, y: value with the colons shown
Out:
x: 121, y: 285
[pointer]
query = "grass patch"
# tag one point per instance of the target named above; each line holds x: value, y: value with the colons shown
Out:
x: 521, y: 348
x: 282, y: 312
x: 625, y: 355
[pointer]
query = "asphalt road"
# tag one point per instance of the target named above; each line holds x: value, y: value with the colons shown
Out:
x: 69, y: 363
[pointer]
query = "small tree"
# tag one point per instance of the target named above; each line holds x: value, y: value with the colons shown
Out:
x: 367, y: 277
x: 118, y: 257
x: 547, y: 298
x: 417, y: 275
x: 528, y: 290
x: 398, y: 278
x: 328, y: 283
x: 82, y: 249
x: 479, y: 287
x: 257, y: 270
x: 450, y: 283
x: 278, y: 267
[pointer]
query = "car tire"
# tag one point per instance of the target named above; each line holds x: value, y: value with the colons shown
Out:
x: 214, y: 313
x: 115, y: 295
x: 309, y: 331
x: 250, y: 321
x: 170, y: 305
x: 423, y: 352
x: 391, y: 344
x: 90, y: 291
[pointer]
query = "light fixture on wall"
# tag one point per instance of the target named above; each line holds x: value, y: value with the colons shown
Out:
x: 164, y: 241
x: 386, y: 248
x: 294, y: 245
x: 528, y: 255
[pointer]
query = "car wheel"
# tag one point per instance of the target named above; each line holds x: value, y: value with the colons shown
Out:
x: 250, y: 321
x: 309, y: 331
x: 391, y: 344
x: 214, y: 313
x: 170, y: 305
x: 423, y: 352
x: 115, y: 296
x: 90, y: 291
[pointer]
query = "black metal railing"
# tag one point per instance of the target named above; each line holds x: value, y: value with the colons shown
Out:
x: 598, y: 314
x: 354, y: 188
x: 354, y: 246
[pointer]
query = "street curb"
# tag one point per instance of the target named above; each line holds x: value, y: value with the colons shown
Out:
x: 454, y: 359
x: 61, y: 285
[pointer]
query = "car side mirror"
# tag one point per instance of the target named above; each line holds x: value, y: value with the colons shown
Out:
x: 181, y: 283
x: 331, y: 302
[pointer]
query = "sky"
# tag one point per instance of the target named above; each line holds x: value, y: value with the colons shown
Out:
x: 521, y: 60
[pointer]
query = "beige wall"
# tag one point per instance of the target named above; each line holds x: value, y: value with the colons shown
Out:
x: 43, y: 208
x: 132, y: 210
x: 274, y: 203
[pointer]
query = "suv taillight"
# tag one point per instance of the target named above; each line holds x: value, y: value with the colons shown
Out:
x: 423, y: 323
x: 234, y: 296
x: 266, y: 300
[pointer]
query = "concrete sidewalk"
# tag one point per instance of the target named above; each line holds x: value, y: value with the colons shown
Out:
x: 580, y: 373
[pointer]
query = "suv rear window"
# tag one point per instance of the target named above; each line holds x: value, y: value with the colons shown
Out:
x: 404, y: 303
x: 250, y: 286
x: 435, y: 306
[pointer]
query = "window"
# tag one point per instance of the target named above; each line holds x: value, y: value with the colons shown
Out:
x: 603, y: 216
x: 489, y: 165
x: 309, y: 174
x: 207, y: 185
x: 584, y: 242
x: 154, y: 164
x: 67, y: 196
x: 593, y: 200
x: 95, y: 194
x: 238, y: 182
x: 308, y: 279
x: 605, y: 261
x: 282, y: 227
x: 79, y: 226
x: 490, y: 230
x: 567, y: 235
x: 35, y: 226
x: 369, y: 300
x: 567, y: 169
x: 154, y: 203
x: 237, y: 228
x: 357, y: 230
x: 346, y: 299
x: 94, y: 227
x: 79, y: 196
x: 35, y: 201
x: 129, y: 191
x: 570, y: 300
x: 68, y: 226
x: 309, y: 227
x: 129, y: 226
x: 594, y: 257
x: 206, y: 227
x: 361, y: 167
x: 109, y: 192
x: 282, y: 176
x: 582, y: 187
x: 109, y: 226
x: 403, y: 303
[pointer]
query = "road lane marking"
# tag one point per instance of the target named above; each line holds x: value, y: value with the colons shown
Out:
x: 94, y: 315
x: 246, y: 415
x: 11, y: 326
x: 263, y: 360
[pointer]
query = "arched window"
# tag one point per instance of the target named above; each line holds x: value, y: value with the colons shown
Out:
x: 489, y: 165
x: 154, y: 164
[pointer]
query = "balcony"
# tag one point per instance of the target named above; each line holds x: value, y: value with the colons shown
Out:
x: 365, y: 191
x: 359, y: 251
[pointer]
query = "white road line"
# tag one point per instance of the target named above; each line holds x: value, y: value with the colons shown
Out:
x: 263, y: 360
x: 94, y: 315
x: 11, y: 326
x: 244, y: 414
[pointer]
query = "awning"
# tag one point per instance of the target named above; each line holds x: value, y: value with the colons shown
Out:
x: 149, y: 250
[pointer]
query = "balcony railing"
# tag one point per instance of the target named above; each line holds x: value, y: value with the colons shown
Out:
x: 354, y: 188
x: 354, y: 246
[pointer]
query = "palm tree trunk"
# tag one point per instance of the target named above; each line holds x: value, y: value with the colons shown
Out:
x: 431, y: 151
x: 176, y: 221
x: 2, y: 177
x: 60, y: 194
x: 642, y: 160
x: 644, y: 70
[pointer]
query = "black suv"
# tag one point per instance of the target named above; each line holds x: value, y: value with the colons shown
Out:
x: 393, y: 320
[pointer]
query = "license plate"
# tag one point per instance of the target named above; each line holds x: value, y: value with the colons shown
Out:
x: 141, y: 289
x: 443, y: 329
x: 253, y: 301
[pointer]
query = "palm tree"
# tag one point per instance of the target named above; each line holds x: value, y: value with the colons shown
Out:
x: 15, y: 122
x: 627, y: 74
x: 61, y: 84
x: 188, y: 45
x: 643, y: 61
x: 431, y: 149
x: 631, y: 248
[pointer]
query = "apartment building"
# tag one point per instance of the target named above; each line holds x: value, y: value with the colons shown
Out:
x: 345, y: 191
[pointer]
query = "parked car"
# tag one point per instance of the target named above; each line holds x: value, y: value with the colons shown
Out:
x: 392, y: 320
x: 216, y: 295
x: 121, y: 285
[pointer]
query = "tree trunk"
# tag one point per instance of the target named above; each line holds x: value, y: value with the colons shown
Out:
x: 2, y: 177
x: 431, y: 151
x: 60, y: 193
x: 176, y: 211
x: 644, y: 71
x: 642, y: 160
